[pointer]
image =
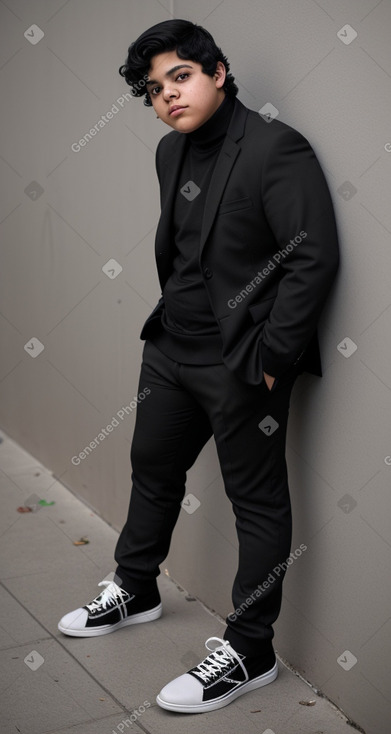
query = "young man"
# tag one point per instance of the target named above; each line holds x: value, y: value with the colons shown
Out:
x: 247, y: 251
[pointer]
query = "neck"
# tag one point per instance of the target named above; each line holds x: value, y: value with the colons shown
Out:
x: 213, y: 130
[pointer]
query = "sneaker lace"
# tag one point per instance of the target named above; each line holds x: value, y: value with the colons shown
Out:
x: 111, y: 594
x: 220, y: 660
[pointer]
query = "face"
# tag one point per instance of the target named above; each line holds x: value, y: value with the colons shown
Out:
x: 182, y: 83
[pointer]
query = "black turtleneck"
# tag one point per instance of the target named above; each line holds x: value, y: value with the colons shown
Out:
x: 189, y: 332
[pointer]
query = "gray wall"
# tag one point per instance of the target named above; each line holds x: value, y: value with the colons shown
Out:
x: 65, y: 214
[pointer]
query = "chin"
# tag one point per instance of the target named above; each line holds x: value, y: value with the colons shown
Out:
x: 188, y: 123
x: 182, y: 127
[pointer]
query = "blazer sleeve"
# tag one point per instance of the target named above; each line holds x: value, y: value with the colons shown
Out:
x: 297, y: 204
x: 157, y: 160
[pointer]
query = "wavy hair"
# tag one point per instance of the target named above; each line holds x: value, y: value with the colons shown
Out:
x: 189, y: 40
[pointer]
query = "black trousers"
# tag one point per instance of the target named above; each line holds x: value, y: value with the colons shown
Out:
x: 186, y: 405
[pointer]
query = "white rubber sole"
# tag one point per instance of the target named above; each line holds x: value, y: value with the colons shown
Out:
x: 219, y: 703
x: 148, y: 616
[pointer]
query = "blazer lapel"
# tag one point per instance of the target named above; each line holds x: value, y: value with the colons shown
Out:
x: 164, y: 242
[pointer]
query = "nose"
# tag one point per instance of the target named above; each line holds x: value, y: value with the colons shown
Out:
x: 169, y: 92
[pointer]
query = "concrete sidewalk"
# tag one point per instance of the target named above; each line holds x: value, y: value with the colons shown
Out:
x: 53, y: 683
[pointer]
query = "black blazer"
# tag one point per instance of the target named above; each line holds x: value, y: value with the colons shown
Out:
x: 266, y: 288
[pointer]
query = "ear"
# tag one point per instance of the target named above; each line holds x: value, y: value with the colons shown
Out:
x: 220, y: 74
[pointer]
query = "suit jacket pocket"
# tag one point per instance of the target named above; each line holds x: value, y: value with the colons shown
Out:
x: 234, y: 205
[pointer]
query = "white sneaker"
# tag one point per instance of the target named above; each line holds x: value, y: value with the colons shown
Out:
x: 218, y: 680
x: 112, y: 609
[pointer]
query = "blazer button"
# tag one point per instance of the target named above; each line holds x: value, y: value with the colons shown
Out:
x: 208, y: 273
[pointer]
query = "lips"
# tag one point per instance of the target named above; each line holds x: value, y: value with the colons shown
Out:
x: 176, y: 107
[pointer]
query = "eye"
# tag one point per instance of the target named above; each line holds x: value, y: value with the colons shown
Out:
x: 183, y: 74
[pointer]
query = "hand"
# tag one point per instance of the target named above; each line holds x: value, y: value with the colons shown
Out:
x: 269, y: 380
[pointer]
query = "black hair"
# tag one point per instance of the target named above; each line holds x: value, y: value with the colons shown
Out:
x: 189, y: 40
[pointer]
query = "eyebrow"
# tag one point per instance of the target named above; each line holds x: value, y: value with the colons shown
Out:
x: 170, y: 73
